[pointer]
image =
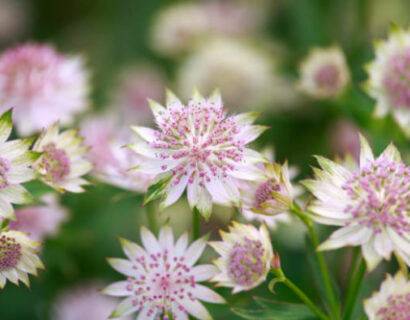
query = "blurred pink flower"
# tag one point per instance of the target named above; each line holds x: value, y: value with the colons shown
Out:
x: 133, y: 91
x: 112, y: 161
x: 344, y: 138
x: 42, y: 85
x: 83, y: 301
x: 40, y: 221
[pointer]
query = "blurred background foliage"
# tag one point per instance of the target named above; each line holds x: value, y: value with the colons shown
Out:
x: 114, y: 36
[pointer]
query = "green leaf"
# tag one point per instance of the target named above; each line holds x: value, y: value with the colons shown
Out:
x: 276, y: 310
x: 157, y: 188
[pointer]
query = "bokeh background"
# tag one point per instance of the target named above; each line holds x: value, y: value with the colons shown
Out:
x: 134, y: 49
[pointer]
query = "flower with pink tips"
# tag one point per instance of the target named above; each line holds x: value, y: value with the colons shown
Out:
x: 40, y: 221
x: 62, y: 162
x: 392, y: 301
x: 42, y: 85
x: 84, y: 301
x: 389, y: 77
x: 162, y: 278
x: 111, y: 161
x: 371, y: 204
x: 199, y: 148
x: 246, y: 255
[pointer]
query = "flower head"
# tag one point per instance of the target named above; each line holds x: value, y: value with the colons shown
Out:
x: 43, y: 85
x: 62, y: 161
x: 83, y: 301
x: 389, y: 77
x: 15, y: 168
x: 40, y: 221
x: 371, y: 203
x: 199, y: 148
x: 162, y: 279
x: 324, y: 73
x: 245, y: 257
x: 271, y: 196
x: 245, y: 74
x: 111, y: 161
x: 392, y: 301
x: 18, y: 257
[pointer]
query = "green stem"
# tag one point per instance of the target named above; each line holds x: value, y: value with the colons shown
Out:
x: 305, y: 299
x: 353, y: 290
x: 402, y: 264
x: 355, y: 261
x: 334, y: 306
x: 151, y: 211
x: 280, y: 277
x: 195, y: 224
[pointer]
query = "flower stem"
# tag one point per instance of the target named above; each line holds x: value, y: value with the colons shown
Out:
x: 282, y: 278
x: 151, y: 211
x: 334, y: 305
x: 402, y: 264
x: 355, y: 282
x: 195, y: 224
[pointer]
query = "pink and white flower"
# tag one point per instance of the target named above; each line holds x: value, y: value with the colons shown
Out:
x: 324, y: 73
x: 392, y: 301
x: 62, y: 162
x: 84, y: 301
x: 40, y: 221
x: 162, y: 278
x: 389, y: 77
x: 198, y: 148
x: 110, y: 159
x: 42, y: 85
x: 371, y: 204
x: 15, y: 168
x: 246, y: 255
x: 18, y: 257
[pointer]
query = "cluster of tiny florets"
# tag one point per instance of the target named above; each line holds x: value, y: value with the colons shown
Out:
x: 55, y: 162
x: 397, y: 79
x: 202, y: 137
x: 327, y: 77
x: 164, y: 279
x: 245, y: 262
x: 398, y: 308
x: 380, y: 195
x: 264, y: 191
x: 10, y: 253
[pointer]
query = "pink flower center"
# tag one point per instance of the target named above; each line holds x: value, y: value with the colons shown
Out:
x: 55, y: 162
x: 327, y: 78
x: 264, y: 192
x: 380, y: 195
x: 397, y: 79
x: 201, y: 139
x: 398, y: 308
x: 10, y: 253
x: 245, y: 262
x: 163, y: 280
x: 4, y: 168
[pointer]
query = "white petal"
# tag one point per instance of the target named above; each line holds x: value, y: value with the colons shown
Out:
x: 117, y: 289
x: 196, y: 309
x: 149, y: 241
x: 194, y: 251
x: 370, y: 255
x: 123, y: 266
x: 204, y: 272
x: 366, y: 153
x: 205, y: 294
x: 166, y: 237
x: 347, y: 236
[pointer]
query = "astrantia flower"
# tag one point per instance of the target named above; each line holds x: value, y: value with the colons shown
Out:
x: 199, y: 148
x: 271, y: 196
x: 324, y: 73
x: 40, y: 221
x: 15, y: 168
x: 371, y: 203
x: 389, y: 77
x: 84, y: 301
x: 245, y: 74
x: 43, y: 86
x: 62, y: 163
x: 18, y: 257
x: 245, y: 258
x: 162, y: 279
x: 111, y: 161
x: 392, y: 301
